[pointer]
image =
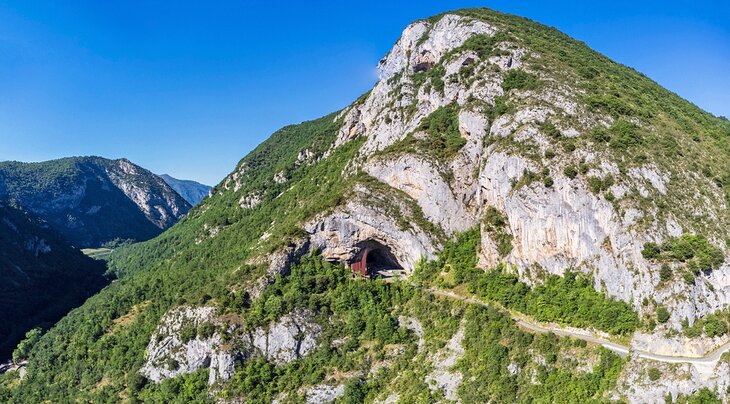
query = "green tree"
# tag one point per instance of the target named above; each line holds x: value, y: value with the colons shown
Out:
x: 31, y: 338
x: 662, y: 314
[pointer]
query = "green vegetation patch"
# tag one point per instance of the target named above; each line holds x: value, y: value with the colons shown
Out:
x: 518, y: 79
x: 495, y: 223
x: 692, y: 249
x: 442, y: 127
x: 483, y: 45
x: 570, y: 299
x: 442, y: 141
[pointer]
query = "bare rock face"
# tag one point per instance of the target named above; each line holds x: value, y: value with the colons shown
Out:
x: 162, y: 209
x: 290, y: 338
x: 180, y: 345
x: 324, y: 393
x: 635, y: 386
x: 411, y: 54
x: 422, y: 182
x: 444, y: 377
x: 340, y: 234
x: 170, y: 353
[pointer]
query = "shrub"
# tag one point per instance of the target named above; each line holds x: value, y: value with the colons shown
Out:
x: 714, y: 326
x: 482, y: 45
x: 651, y: 251
x: 549, y: 129
x: 442, y: 127
x: 206, y: 330
x: 600, y: 135
x: 500, y: 108
x: 665, y: 273
x: 548, y: 182
x: 609, y: 103
x: 23, y: 349
x: 694, y: 249
x: 625, y: 134
x: 595, y: 184
x: 519, y: 80
x: 496, y: 226
x: 570, y: 171
x: 188, y: 332
x: 662, y: 314
x: 654, y: 374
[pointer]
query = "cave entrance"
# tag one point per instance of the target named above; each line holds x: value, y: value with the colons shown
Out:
x: 375, y: 260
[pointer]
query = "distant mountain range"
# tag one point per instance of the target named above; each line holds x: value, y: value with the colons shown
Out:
x: 191, y: 191
x: 92, y: 201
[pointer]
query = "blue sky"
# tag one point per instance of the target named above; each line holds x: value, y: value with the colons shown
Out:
x: 188, y: 88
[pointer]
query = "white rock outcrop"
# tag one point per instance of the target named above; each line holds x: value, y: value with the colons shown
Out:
x: 291, y: 337
x: 169, y: 354
x: 444, y: 377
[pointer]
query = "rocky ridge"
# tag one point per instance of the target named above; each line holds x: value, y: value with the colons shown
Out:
x: 91, y: 200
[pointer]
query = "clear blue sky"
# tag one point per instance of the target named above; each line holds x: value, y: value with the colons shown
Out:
x: 188, y: 88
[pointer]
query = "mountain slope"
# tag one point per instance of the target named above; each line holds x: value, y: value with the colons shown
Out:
x: 92, y: 200
x: 495, y: 157
x: 41, y: 276
x: 193, y: 192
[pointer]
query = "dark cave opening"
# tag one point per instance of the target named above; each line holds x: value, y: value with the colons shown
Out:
x: 373, y: 258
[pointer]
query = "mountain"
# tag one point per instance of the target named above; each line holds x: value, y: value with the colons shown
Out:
x: 193, y: 192
x: 41, y: 276
x: 92, y: 201
x: 521, y: 182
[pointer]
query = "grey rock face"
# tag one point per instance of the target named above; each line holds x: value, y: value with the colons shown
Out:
x: 290, y: 338
x: 444, y: 377
x: 339, y: 234
x: 557, y: 227
x: 169, y: 355
x: 324, y: 393
x: 675, y: 379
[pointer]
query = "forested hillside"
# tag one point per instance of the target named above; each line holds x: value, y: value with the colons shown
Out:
x: 41, y: 276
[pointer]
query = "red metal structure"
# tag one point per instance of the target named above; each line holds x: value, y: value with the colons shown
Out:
x: 361, y: 266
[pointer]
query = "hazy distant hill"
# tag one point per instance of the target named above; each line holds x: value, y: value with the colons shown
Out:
x: 192, y: 191
x: 92, y: 200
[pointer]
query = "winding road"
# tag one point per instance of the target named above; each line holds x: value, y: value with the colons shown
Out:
x: 706, y: 362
